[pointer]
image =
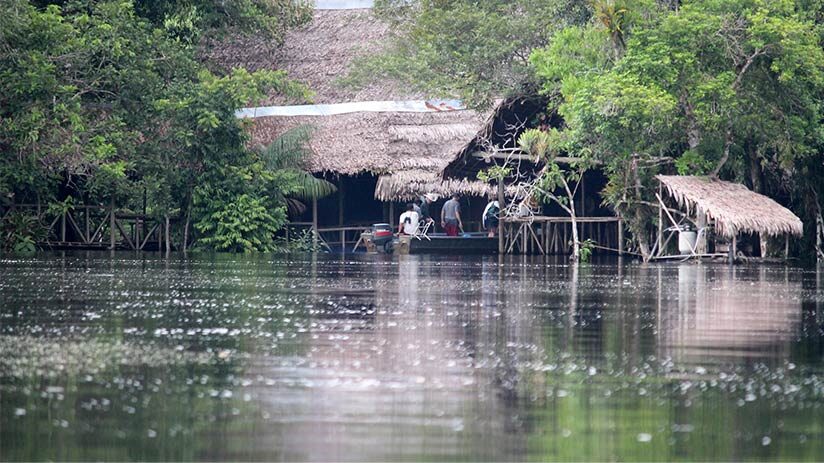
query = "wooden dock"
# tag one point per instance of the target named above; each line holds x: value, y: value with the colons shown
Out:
x: 553, y: 235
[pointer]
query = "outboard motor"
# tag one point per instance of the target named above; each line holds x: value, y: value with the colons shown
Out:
x: 382, y: 236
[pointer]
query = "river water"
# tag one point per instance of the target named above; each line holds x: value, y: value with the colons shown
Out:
x: 408, y: 358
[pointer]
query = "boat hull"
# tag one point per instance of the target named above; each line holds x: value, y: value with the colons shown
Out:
x: 442, y: 244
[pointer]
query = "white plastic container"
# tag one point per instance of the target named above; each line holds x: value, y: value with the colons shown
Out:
x: 686, y: 242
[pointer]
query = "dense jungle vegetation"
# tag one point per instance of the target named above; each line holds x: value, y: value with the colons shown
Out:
x: 728, y: 88
x: 106, y: 101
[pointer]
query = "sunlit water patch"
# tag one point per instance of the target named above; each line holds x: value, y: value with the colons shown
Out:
x: 412, y: 358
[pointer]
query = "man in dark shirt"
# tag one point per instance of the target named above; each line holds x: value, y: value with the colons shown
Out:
x: 426, y: 202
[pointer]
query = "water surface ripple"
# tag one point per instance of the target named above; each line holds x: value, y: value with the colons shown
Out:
x: 124, y: 357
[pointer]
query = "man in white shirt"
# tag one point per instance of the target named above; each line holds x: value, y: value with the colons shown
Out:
x: 408, y: 223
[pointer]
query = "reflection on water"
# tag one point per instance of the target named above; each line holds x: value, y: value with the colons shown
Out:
x: 729, y: 311
x: 416, y: 358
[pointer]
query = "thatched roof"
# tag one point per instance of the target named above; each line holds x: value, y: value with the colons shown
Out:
x: 380, y: 143
x: 410, y: 184
x: 507, y: 119
x: 734, y: 208
x: 408, y: 149
x: 318, y: 54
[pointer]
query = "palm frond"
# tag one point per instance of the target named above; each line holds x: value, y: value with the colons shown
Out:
x: 310, y: 187
x: 294, y: 207
x: 289, y: 149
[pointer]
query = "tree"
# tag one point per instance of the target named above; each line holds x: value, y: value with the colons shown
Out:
x: 547, y: 146
x: 99, y: 103
x: 190, y: 20
x: 714, y: 83
x: 477, y: 51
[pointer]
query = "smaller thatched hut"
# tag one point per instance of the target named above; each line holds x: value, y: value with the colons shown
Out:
x: 730, y: 208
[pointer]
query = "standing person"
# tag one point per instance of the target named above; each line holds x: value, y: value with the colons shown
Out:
x: 426, y: 204
x: 417, y: 206
x: 451, y: 216
x: 490, y: 217
x: 408, y: 222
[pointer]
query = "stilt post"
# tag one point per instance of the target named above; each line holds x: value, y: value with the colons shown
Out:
x: 315, y: 222
x: 660, y: 220
x: 111, y: 223
x: 340, y: 203
x: 63, y: 227
x: 786, y: 247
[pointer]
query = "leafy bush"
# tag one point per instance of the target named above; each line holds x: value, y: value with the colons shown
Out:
x: 20, y: 232
x: 245, y: 224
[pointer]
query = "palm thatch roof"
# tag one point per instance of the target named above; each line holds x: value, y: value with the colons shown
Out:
x: 734, y: 208
x: 379, y: 143
x: 318, y: 54
x: 408, y: 149
x: 410, y: 184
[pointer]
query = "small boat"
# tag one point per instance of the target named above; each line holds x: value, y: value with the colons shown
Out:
x: 439, y: 243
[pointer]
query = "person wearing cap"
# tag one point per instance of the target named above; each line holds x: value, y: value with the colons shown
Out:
x: 426, y: 202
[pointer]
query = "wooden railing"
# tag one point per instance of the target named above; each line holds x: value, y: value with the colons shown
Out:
x: 93, y: 226
x: 553, y: 235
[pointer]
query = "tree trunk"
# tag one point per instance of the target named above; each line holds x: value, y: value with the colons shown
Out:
x: 168, y: 241
x: 819, y: 230
x: 726, y: 155
x: 501, y: 204
x: 576, y: 245
x: 186, y: 230
x: 758, y: 187
x: 693, y: 131
x: 638, y: 225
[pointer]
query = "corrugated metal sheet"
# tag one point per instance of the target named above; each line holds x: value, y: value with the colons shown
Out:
x: 416, y: 106
x: 343, y: 4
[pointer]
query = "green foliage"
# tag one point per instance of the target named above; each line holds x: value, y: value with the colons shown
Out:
x: 494, y: 174
x: 303, y: 242
x: 239, y: 224
x: 473, y: 50
x: 108, y: 99
x: 692, y: 163
x: 586, y: 250
x: 714, y: 87
x: 20, y: 232
x: 239, y: 207
x: 189, y: 20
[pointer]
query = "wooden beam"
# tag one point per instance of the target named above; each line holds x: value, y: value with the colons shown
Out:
x: 524, y: 157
